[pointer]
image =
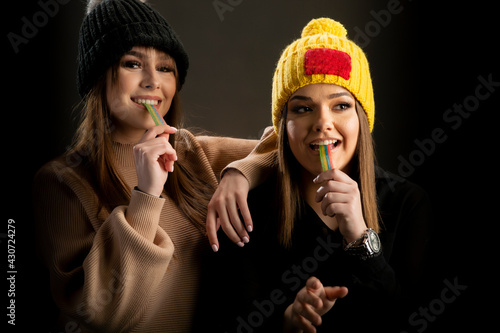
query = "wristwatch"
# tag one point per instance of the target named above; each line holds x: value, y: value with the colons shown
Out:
x: 368, y: 246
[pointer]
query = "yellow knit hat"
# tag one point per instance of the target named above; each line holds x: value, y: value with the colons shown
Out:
x: 322, y: 55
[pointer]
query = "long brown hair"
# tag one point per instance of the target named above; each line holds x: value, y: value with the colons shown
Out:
x: 363, y: 171
x: 92, y: 151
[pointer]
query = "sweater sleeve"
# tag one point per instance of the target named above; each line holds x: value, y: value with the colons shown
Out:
x: 220, y: 151
x: 102, y: 270
x: 254, y: 159
x: 262, y: 160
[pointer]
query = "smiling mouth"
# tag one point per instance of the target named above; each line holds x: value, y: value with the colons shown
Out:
x: 315, y: 146
x: 146, y: 101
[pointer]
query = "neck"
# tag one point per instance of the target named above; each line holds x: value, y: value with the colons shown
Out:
x: 127, y: 135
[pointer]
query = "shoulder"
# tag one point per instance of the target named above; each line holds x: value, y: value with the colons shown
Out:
x: 390, y: 185
x: 61, y: 174
x: 188, y: 141
x: 214, y: 151
x: 207, y: 141
x: 60, y: 169
x: 400, y: 201
x: 226, y: 144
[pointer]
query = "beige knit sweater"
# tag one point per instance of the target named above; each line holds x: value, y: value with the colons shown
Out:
x: 136, y: 268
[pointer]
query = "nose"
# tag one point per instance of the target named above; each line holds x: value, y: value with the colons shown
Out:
x: 324, y: 121
x: 150, y: 80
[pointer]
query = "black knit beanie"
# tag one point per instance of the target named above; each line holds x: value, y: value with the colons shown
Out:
x: 113, y: 27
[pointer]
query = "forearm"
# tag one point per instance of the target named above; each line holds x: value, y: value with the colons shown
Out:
x: 143, y: 213
x: 120, y: 275
x: 260, y: 163
x: 102, y: 273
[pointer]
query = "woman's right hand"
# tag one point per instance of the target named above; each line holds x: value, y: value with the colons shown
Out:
x: 154, y: 159
x: 311, y: 302
x: 227, y: 204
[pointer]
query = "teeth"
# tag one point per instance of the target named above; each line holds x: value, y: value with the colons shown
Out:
x: 145, y: 101
x: 325, y: 142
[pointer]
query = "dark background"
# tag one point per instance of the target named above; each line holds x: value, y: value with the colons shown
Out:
x: 424, y: 60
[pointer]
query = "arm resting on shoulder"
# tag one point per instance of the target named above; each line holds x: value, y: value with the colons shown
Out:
x: 230, y: 199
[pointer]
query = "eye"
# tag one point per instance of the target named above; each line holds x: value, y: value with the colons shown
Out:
x: 132, y: 64
x: 300, y: 109
x: 343, y: 106
x: 165, y: 69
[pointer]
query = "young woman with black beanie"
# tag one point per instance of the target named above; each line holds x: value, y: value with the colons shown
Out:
x: 121, y: 215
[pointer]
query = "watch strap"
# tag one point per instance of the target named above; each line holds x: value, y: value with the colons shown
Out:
x: 360, y: 248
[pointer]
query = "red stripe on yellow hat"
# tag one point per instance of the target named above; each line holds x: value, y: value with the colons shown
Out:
x: 327, y: 61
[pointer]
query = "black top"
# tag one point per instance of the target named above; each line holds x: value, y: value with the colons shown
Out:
x: 247, y: 289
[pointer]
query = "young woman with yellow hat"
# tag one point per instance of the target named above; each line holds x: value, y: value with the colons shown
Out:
x: 331, y: 250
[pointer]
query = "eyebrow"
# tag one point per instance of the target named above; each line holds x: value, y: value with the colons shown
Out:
x: 331, y: 96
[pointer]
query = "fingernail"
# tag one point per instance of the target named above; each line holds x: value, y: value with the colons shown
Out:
x: 249, y: 228
x: 240, y: 244
x: 215, y: 248
x: 175, y: 129
x: 245, y: 239
x: 315, y: 179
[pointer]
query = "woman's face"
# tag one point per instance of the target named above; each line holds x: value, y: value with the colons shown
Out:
x: 322, y: 112
x: 144, y: 75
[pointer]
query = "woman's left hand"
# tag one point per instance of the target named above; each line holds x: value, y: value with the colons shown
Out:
x: 311, y: 302
x: 340, y: 197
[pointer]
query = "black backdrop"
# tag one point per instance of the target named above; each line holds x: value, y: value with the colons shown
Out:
x: 435, y: 114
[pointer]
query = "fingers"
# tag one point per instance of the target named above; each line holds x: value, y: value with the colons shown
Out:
x: 226, y: 211
x: 305, y: 316
x: 314, y: 292
x: 156, y: 149
x: 294, y: 322
x: 334, y: 181
x: 333, y: 174
x: 157, y: 137
x: 154, y: 157
x: 164, y: 130
x: 338, y: 193
x: 313, y: 301
x: 333, y: 293
x: 303, y: 324
x: 212, y: 228
x: 227, y: 208
x: 217, y: 216
x: 237, y: 187
x: 245, y: 213
x: 308, y: 301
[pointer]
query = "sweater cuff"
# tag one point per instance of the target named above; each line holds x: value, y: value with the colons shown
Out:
x: 143, y: 213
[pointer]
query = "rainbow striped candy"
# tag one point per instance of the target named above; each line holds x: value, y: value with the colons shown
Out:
x: 325, y: 156
x: 154, y: 114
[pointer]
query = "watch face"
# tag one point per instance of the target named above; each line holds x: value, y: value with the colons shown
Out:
x: 374, y: 241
